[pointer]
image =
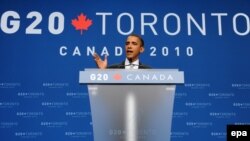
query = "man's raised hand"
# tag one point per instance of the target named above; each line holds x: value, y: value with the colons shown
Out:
x: 102, y: 64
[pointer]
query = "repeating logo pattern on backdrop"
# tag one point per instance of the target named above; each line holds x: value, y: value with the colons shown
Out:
x: 43, y: 46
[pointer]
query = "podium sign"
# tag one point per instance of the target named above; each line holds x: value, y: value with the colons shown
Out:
x: 123, y: 76
x: 131, y: 105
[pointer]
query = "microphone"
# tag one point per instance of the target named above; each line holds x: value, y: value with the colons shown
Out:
x: 122, y: 66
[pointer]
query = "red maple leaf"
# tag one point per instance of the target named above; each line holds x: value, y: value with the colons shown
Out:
x: 117, y: 76
x: 81, y: 23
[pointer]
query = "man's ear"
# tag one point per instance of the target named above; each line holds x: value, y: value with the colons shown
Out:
x: 141, y: 49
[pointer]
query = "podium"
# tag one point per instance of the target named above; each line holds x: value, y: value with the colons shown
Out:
x: 131, y: 105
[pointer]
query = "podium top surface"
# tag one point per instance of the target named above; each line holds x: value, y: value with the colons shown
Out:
x: 126, y: 76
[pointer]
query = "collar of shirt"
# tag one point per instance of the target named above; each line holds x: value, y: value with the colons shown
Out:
x: 133, y: 65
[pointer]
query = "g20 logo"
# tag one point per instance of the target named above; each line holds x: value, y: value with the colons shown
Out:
x: 99, y: 77
x: 10, y: 22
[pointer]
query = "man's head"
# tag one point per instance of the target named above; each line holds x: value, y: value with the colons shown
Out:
x: 134, y: 46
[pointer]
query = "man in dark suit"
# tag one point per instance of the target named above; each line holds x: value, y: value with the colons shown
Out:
x: 134, y: 47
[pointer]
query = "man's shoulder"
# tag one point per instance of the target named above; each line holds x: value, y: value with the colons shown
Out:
x: 143, y: 66
x: 117, y: 66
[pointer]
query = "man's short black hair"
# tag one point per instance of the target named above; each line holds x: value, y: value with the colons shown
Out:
x: 139, y: 37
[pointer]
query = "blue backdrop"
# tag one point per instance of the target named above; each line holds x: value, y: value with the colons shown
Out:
x: 42, y: 52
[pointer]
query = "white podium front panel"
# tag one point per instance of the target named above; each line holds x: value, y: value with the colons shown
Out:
x: 131, y: 112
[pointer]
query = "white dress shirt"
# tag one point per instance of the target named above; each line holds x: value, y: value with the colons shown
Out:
x: 133, y: 65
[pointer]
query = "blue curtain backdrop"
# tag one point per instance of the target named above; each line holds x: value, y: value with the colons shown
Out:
x: 41, y: 54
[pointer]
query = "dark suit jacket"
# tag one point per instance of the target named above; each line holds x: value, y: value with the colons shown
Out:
x: 122, y: 66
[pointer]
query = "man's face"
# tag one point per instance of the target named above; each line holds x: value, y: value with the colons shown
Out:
x: 133, y: 48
